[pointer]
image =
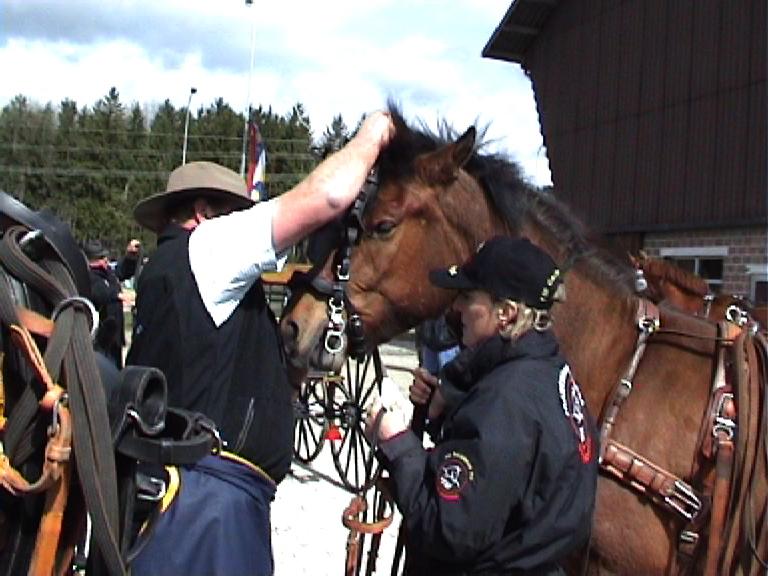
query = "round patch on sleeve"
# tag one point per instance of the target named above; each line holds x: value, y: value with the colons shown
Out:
x: 574, y: 408
x: 453, y: 475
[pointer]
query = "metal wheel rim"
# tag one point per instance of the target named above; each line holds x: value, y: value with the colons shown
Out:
x: 310, y: 424
x: 353, y: 455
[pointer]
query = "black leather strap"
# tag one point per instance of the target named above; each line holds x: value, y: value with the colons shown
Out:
x: 138, y: 400
x: 185, y: 439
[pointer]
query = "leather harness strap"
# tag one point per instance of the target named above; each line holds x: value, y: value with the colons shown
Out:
x: 68, y: 353
x: 731, y: 482
x: 629, y: 467
x: 647, y: 316
x: 660, y: 485
x: 354, y: 516
x: 351, y: 518
x: 746, y: 472
x: 58, y: 461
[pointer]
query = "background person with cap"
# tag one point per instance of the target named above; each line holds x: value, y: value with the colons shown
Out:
x: 202, y: 318
x: 108, y: 297
x: 509, y: 487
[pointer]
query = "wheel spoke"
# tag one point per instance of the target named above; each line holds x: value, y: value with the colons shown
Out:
x: 310, y: 423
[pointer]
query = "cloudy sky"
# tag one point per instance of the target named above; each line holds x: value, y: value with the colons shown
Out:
x: 335, y: 57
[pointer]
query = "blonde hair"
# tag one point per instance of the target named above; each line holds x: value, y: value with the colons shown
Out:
x: 527, y: 318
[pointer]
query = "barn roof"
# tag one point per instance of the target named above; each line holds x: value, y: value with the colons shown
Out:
x: 518, y: 29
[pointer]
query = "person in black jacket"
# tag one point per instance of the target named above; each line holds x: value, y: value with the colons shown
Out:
x: 509, y: 487
x: 108, y: 297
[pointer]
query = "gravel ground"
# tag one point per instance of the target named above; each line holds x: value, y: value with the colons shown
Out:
x: 307, y: 534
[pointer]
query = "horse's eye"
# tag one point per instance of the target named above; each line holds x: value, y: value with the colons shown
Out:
x: 384, y: 228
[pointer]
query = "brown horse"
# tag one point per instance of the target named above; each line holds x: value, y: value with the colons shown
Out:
x: 437, y: 200
x: 688, y: 292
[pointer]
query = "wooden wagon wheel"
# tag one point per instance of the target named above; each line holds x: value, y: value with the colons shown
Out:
x: 352, y: 453
x: 310, y: 423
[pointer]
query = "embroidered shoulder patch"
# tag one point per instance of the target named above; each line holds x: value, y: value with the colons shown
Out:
x: 574, y: 405
x: 453, y: 475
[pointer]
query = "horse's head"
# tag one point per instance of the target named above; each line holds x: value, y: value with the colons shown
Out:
x: 427, y: 212
x: 667, y: 282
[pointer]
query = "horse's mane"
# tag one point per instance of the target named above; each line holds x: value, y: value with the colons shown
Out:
x: 517, y: 200
x: 681, y: 278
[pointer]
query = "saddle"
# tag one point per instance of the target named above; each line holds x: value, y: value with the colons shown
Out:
x: 63, y: 453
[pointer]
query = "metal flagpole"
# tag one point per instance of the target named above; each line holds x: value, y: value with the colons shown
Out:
x: 248, y: 98
x: 192, y: 91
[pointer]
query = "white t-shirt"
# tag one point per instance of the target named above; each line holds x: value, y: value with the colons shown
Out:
x: 229, y: 253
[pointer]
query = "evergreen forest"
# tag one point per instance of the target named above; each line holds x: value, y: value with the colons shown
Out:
x: 91, y: 164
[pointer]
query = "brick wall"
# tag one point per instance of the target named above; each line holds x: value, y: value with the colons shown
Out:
x: 747, y: 248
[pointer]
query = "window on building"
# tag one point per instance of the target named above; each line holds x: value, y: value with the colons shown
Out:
x: 758, y: 282
x: 705, y: 261
x: 760, y: 297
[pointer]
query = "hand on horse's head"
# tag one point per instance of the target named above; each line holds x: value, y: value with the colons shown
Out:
x: 378, y: 127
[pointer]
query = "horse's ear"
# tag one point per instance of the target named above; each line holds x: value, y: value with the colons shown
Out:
x: 442, y: 166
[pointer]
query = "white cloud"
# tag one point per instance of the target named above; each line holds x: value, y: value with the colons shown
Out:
x: 343, y: 57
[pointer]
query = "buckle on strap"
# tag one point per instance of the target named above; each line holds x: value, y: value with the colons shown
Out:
x: 723, y: 423
x: 689, y: 537
x: 683, y: 500
x: 149, y: 488
x: 207, y: 425
x: 648, y: 324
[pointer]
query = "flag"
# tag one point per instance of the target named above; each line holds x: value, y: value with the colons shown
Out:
x: 257, y: 160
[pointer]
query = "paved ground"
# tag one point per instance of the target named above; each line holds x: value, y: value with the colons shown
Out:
x: 308, y: 536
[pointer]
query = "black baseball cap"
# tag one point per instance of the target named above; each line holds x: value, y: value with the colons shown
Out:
x: 505, y: 267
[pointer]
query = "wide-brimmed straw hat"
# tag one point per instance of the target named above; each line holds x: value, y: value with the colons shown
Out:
x: 189, y: 181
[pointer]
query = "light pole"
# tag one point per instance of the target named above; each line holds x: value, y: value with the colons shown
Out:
x: 248, y: 103
x: 192, y: 91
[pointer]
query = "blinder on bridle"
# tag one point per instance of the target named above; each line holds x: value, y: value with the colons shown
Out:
x: 342, y: 333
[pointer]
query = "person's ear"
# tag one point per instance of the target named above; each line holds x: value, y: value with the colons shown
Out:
x: 202, y: 210
x: 507, y: 313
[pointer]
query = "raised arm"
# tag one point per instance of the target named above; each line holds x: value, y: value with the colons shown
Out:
x: 332, y: 186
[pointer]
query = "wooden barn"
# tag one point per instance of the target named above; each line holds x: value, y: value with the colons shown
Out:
x: 653, y: 113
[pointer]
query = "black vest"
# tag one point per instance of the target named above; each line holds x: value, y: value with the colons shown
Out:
x: 235, y: 374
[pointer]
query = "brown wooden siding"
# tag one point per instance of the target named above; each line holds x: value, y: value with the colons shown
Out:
x: 654, y: 111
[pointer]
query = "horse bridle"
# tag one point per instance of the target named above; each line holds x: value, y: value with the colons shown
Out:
x: 341, y: 334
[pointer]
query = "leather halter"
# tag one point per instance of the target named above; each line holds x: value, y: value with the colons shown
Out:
x: 344, y: 332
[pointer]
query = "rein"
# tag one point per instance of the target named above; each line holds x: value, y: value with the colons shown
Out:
x: 354, y: 518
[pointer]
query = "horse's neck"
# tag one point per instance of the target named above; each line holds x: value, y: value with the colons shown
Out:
x: 595, y: 326
x: 683, y: 300
x: 597, y: 333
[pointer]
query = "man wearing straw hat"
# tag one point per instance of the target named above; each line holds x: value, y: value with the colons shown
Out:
x: 202, y: 319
